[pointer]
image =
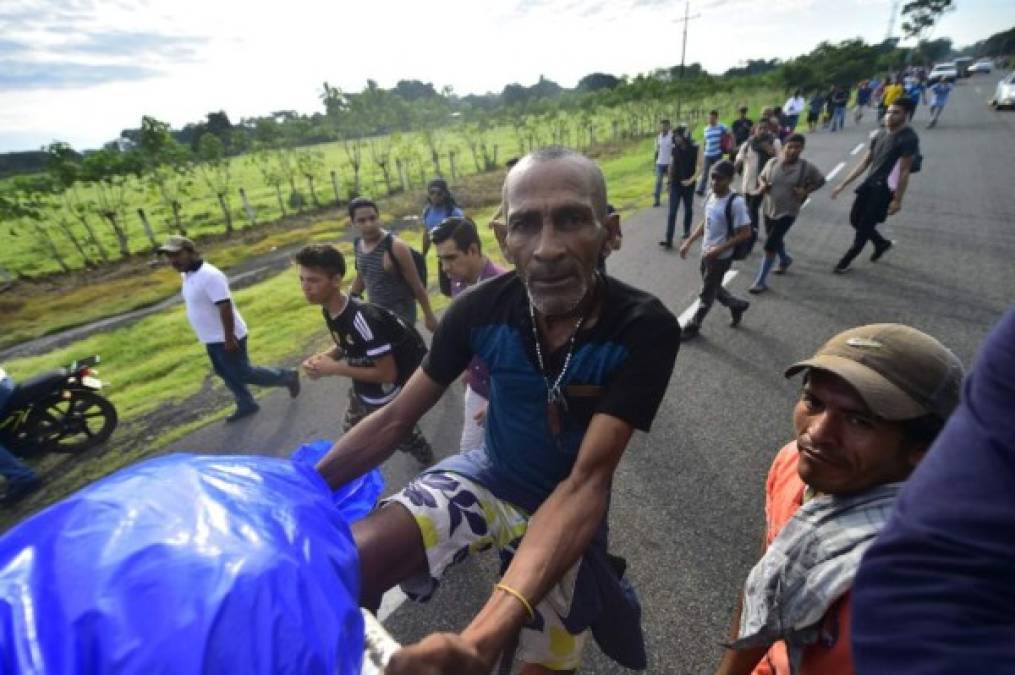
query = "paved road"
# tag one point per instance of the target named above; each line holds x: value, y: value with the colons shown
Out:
x: 687, y: 506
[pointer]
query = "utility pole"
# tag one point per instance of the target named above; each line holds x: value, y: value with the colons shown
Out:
x: 891, y: 20
x: 687, y: 19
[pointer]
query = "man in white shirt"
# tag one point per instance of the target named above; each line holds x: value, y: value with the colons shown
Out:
x: 793, y: 108
x: 664, y: 155
x: 720, y: 237
x: 220, y: 327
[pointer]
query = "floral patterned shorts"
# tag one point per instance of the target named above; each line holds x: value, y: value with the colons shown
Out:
x: 456, y: 517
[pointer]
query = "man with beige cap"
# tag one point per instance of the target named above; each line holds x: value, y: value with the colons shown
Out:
x: 221, y: 329
x: 873, y: 400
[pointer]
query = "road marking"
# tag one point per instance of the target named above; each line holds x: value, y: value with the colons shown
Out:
x: 689, y: 312
x: 978, y: 90
x: 873, y: 134
x: 806, y: 202
x: 858, y: 148
x: 838, y: 167
x: 391, y: 601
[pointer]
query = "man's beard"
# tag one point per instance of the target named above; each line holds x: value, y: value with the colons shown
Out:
x: 559, y: 304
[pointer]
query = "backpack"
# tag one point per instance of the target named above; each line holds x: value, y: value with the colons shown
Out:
x: 387, y: 244
x: 726, y: 142
x: 744, y: 248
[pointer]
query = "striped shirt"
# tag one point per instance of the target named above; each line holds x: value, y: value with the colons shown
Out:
x: 713, y: 140
x: 385, y: 288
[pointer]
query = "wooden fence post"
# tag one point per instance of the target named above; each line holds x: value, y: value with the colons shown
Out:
x: 248, y: 208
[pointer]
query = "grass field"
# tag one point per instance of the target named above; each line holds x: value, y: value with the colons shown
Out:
x: 22, y: 253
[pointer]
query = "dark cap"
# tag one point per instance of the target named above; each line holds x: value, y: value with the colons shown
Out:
x: 900, y: 373
x: 724, y: 168
x: 175, y: 244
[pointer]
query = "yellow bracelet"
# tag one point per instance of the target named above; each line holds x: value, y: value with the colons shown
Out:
x: 520, y: 598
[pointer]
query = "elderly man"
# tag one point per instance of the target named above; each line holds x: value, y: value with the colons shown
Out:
x: 873, y: 400
x: 577, y: 362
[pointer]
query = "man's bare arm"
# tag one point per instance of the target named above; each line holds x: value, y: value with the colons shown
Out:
x: 358, y: 286
x: 406, y: 264
x: 558, y: 534
x: 374, y: 439
x: 857, y: 170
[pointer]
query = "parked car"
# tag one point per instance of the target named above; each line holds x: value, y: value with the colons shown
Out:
x: 943, y: 71
x: 1004, y: 95
x: 982, y: 66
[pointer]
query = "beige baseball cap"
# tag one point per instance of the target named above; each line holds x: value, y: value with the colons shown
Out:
x: 176, y: 243
x: 901, y: 373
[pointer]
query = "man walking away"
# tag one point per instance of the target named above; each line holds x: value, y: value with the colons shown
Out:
x: 460, y: 252
x: 793, y: 108
x: 717, y: 247
x: 785, y: 182
x: 897, y: 142
x: 663, y: 155
x: 741, y: 131
x: 712, y: 148
x: 374, y: 347
x: 939, y: 98
x: 683, y: 172
x: 817, y: 102
x: 752, y: 158
x: 218, y: 325
x: 385, y: 267
x: 873, y: 400
x: 840, y: 98
x: 863, y: 99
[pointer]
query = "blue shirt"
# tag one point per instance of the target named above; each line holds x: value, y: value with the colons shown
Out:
x: 936, y: 591
x: 433, y: 215
x: 713, y: 140
x: 941, y: 90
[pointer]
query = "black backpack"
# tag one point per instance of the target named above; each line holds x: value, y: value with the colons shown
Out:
x: 744, y: 248
x: 387, y: 244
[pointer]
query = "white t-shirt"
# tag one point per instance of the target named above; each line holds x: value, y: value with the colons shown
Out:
x: 716, y: 230
x: 794, y: 105
x: 203, y: 288
x: 664, y: 149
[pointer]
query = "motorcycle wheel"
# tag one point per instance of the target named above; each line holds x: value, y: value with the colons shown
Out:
x: 71, y: 425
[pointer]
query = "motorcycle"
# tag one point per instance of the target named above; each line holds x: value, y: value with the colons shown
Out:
x: 59, y: 411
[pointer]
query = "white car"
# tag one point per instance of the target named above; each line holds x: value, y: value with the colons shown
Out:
x: 1004, y: 95
x: 982, y: 66
x: 943, y: 71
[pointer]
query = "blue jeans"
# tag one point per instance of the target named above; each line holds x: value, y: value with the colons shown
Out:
x: 705, y: 172
x: 838, y: 117
x: 661, y: 171
x: 16, y: 473
x: 679, y: 193
x: 235, y: 370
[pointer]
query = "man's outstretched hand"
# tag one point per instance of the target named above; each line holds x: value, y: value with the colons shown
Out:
x: 438, y: 654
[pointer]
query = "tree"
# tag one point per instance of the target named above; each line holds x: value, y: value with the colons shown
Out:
x: 109, y: 171
x: 921, y: 15
x: 63, y: 165
x: 216, y: 171
x: 23, y: 202
x: 309, y: 163
x: 166, y: 166
x: 597, y: 81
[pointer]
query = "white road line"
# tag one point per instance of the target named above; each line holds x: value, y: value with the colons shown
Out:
x: 838, y: 167
x: 806, y: 202
x: 858, y: 148
x: 873, y: 133
x: 391, y: 601
x: 689, y: 312
x: 978, y: 91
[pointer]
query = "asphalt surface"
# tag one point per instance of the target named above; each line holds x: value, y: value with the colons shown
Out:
x: 687, y: 507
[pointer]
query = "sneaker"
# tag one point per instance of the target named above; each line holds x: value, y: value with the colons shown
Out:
x: 841, y: 269
x: 19, y: 491
x: 689, y: 331
x: 737, y: 314
x: 666, y: 244
x: 757, y: 288
x: 878, y: 252
x: 294, y: 384
x: 781, y: 269
x: 241, y: 413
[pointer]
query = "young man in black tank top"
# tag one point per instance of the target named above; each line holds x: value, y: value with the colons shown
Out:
x: 374, y: 348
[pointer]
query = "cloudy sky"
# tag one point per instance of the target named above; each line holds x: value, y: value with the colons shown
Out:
x: 81, y: 70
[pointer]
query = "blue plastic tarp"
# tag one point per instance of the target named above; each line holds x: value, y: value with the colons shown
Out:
x: 187, y: 564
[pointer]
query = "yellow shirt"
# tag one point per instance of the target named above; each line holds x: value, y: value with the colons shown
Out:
x: 892, y: 93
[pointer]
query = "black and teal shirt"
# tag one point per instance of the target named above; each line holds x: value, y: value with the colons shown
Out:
x: 621, y: 366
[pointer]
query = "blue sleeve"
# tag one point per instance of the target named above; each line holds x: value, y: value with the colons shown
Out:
x: 457, y: 213
x: 936, y: 591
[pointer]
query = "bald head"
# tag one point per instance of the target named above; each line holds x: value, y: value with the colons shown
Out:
x: 584, y: 170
